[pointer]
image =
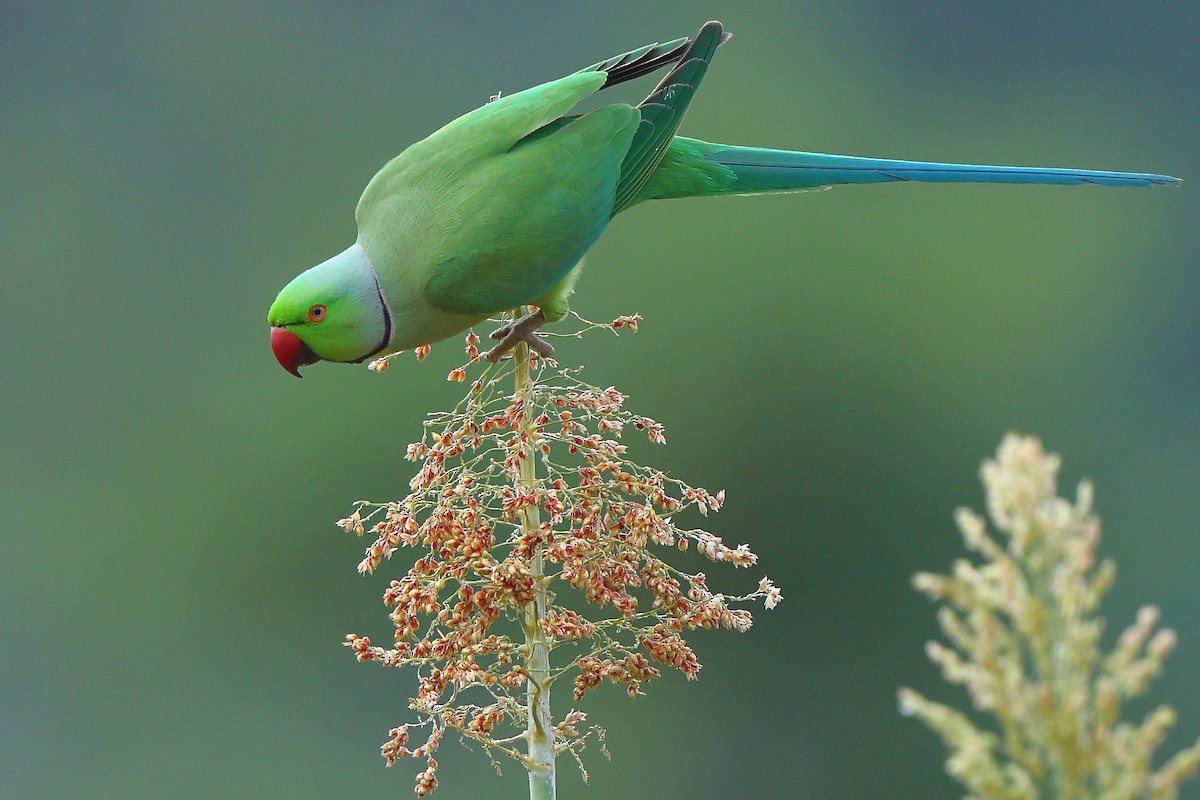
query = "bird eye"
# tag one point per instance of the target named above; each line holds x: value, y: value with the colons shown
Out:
x: 316, y: 313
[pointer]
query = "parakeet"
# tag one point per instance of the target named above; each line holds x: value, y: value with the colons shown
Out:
x: 496, y: 210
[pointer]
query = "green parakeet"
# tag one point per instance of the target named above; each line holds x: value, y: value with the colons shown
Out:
x: 497, y: 209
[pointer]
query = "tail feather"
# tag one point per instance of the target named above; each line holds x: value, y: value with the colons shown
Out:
x: 808, y: 170
x: 695, y: 168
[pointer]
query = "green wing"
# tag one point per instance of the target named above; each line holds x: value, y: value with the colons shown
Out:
x: 662, y: 112
x: 577, y: 172
x: 520, y: 220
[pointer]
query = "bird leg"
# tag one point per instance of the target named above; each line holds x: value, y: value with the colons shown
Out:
x: 521, y: 330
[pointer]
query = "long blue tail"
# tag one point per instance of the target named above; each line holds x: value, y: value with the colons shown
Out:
x: 807, y: 170
x: 695, y: 168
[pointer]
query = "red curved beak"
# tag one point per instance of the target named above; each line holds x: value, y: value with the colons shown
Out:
x: 291, y: 352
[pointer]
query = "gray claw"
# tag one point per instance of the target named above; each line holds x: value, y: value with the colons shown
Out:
x: 522, y: 330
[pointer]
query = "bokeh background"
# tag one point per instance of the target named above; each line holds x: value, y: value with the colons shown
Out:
x: 172, y: 589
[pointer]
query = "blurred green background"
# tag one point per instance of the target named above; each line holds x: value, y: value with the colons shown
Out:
x: 172, y: 589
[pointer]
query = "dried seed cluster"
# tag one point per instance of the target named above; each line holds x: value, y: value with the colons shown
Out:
x: 518, y: 499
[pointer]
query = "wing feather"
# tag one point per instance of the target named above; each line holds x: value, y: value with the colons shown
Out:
x: 662, y: 112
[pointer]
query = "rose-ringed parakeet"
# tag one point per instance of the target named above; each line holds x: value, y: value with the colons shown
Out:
x: 497, y: 209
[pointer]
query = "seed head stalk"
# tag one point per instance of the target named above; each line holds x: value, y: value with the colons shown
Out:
x: 537, y: 645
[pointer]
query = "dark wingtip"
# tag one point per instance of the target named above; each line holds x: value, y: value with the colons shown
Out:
x: 653, y: 57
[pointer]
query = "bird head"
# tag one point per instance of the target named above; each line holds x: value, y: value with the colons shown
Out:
x: 334, y: 311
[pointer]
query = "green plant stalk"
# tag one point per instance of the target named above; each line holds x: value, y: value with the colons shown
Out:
x: 537, y: 659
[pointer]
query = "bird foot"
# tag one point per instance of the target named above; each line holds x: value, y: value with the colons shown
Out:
x: 521, y: 330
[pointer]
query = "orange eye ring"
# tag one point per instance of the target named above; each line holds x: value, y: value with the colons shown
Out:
x: 317, y: 313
